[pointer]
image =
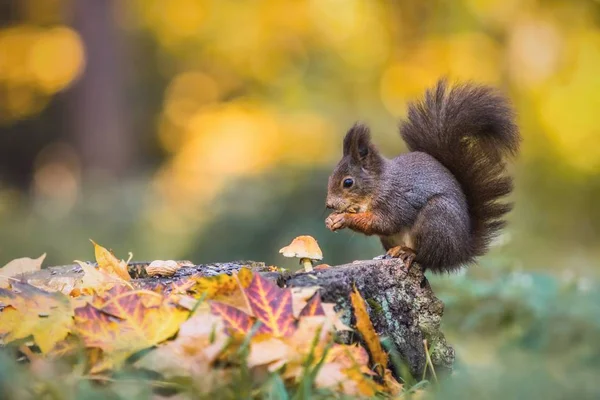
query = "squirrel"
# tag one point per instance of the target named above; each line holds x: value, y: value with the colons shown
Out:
x: 437, y: 205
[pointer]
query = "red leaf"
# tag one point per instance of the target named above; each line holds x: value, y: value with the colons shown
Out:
x: 236, y: 321
x: 313, y: 307
x: 271, y: 305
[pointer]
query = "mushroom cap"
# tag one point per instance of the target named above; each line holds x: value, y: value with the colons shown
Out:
x: 303, y: 247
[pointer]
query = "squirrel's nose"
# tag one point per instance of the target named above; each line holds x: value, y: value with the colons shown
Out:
x: 329, y: 205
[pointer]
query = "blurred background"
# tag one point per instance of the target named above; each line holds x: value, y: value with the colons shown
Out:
x: 206, y: 129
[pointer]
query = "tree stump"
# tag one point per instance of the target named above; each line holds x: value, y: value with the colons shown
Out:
x: 401, y: 304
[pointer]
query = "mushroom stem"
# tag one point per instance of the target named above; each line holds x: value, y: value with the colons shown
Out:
x: 307, y: 264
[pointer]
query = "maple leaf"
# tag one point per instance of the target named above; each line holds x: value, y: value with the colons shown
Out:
x: 346, y: 369
x: 292, y: 351
x: 110, y: 264
x: 236, y: 321
x: 270, y: 350
x: 301, y: 296
x: 197, y: 345
x: 30, y: 311
x: 96, y: 280
x: 313, y: 307
x: 19, y: 266
x: 221, y: 285
x: 271, y: 305
x: 123, y: 322
x: 367, y: 331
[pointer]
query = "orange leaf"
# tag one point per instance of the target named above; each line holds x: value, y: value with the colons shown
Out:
x: 313, y: 307
x: 108, y: 263
x: 351, y: 374
x: 271, y: 305
x: 236, y: 321
x: 29, y: 311
x: 123, y: 322
x: 367, y: 331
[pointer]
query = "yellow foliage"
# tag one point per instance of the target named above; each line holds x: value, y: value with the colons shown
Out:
x: 48, y: 317
x: 367, y: 331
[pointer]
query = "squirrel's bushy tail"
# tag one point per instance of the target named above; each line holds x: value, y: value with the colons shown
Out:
x: 469, y: 129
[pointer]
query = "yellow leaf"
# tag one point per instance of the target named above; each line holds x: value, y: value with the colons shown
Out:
x: 108, y: 263
x: 96, y: 280
x: 122, y: 322
x: 367, y: 331
x: 19, y: 266
x: 212, y: 287
x: 48, y: 317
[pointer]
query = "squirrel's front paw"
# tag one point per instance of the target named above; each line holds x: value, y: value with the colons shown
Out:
x: 335, y: 222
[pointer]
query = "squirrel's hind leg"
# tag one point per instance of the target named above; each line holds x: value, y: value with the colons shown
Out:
x: 441, y: 234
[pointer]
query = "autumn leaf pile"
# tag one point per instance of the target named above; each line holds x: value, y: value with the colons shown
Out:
x: 208, y: 330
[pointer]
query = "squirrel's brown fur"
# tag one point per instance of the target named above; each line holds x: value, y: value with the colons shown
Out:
x: 438, y: 203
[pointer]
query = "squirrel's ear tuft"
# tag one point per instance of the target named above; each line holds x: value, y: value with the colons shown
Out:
x: 357, y: 142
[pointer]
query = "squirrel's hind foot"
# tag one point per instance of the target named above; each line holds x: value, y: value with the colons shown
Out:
x: 406, y: 254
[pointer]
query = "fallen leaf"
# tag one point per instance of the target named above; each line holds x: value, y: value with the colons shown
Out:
x: 313, y: 307
x: 353, y: 360
x: 392, y: 386
x: 30, y: 311
x: 63, y: 284
x: 108, y: 263
x: 221, y: 285
x: 367, y: 331
x: 300, y: 296
x: 95, y: 280
x: 271, y: 305
x: 19, y: 266
x: 123, y: 322
x: 330, y: 312
x: 270, y: 350
x: 197, y: 345
x: 236, y: 321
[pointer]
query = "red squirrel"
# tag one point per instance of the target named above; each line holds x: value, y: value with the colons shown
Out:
x: 439, y: 203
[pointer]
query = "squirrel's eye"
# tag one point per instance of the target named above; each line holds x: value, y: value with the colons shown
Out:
x: 348, y: 182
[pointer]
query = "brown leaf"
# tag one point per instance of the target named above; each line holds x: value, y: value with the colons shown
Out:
x: 19, y: 266
x: 367, y: 331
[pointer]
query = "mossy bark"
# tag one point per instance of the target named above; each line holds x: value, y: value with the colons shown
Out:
x: 401, y: 303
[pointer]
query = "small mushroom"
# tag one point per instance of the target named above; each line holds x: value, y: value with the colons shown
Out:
x: 306, y: 249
